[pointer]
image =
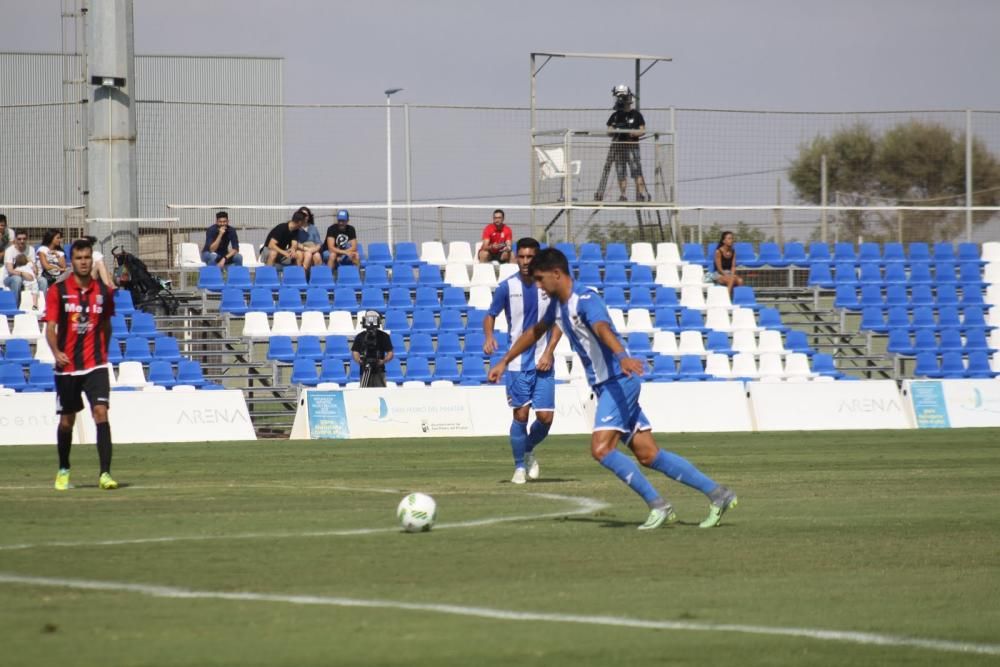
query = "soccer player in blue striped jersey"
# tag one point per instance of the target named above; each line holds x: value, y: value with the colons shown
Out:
x: 613, y: 375
x: 530, y: 377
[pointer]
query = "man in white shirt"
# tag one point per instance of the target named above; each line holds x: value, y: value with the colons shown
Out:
x: 12, y: 278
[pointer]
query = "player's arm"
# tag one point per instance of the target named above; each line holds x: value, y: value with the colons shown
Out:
x: 604, y: 333
x: 53, y: 341
x: 526, y: 340
x: 490, y: 344
x: 548, y: 355
x: 234, y: 243
x: 214, y: 245
x: 718, y: 261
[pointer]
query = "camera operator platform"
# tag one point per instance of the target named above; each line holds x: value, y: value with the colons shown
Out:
x: 372, y: 350
x: 625, y: 126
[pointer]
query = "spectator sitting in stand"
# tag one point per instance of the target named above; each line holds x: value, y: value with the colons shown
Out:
x: 310, y: 245
x: 13, y: 279
x: 6, y: 233
x: 498, y: 239
x: 725, y: 263
x: 51, y: 258
x: 28, y: 281
x: 222, y: 244
x: 281, y: 244
x: 341, y: 242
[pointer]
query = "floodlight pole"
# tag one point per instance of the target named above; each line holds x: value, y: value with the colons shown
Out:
x: 388, y: 163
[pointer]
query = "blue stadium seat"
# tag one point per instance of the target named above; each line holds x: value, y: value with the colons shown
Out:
x: 429, y: 275
x: 294, y: 276
x: 232, y: 301
x: 770, y: 255
x: 690, y: 320
x: 770, y: 318
x: 616, y: 253
x: 614, y: 297
x: 377, y: 276
x: 448, y: 344
x: 948, y: 318
x: 144, y: 324
x: 972, y: 298
x: 847, y: 298
x: 869, y: 253
x: 345, y: 298
x: 378, y: 254
x: 338, y: 346
x: 473, y: 369
x: 638, y: 344
x: 970, y: 275
x: 798, y: 341
x: 279, y: 348
x: 639, y: 297
x: 503, y: 340
x: 744, y: 297
x: 394, y: 370
x: 321, y: 276
x: 944, y: 272
x: 900, y: 343
x: 372, y: 298
x: 844, y: 252
x: 398, y: 345
x: 614, y: 274
x: 695, y: 254
x: 262, y: 300
x: 895, y: 274
x: 308, y: 347
x: 921, y: 295
x: 119, y: 325
x: 718, y: 341
x: 123, y: 302
x: 745, y: 254
x: 8, y: 303
x: 871, y: 295
x: 925, y: 340
x: 318, y: 299
x: 421, y: 345
x: 115, y: 352
x: 397, y: 322
x: 951, y: 341
x: 399, y: 298
x: 161, y: 372
x: 871, y: 274
x: 266, y: 276
x: 819, y: 253
x: 920, y: 253
x: 418, y: 368
x: 590, y: 276
x: 923, y: 318
x: 423, y: 321
x: 872, y: 320
x: 944, y: 251
x: 41, y: 377
x: 691, y: 369
x: 166, y: 348
x: 947, y: 295
x: 348, y: 276
x: 406, y: 252
x: 820, y: 276
x: 979, y: 366
x: 975, y: 341
x: 920, y: 274
x: 569, y: 250
x: 666, y: 296
x: 190, y: 372
x: 893, y: 253
x: 952, y: 365
x: 290, y: 299
x: 474, y: 320
x: 664, y: 368
x: 665, y: 318
x: 895, y: 295
x: 239, y: 276
x: 331, y: 370
x: 451, y: 320
x: 474, y: 341
x: 641, y: 276
x: 970, y: 253
x: 590, y: 253
x: 210, y: 278
x: 402, y: 275
x: 973, y: 317
x: 19, y: 350
x: 446, y: 368
x: 12, y: 376
x: 427, y: 297
x: 353, y: 373
x: 822, y: 364
x: 304, y: 372
x: 454, y: 297
x: 845, y: 274
x: 795, y: 254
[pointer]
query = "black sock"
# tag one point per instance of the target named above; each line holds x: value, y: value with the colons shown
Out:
x: 104, y: 446
x: 64, y: 440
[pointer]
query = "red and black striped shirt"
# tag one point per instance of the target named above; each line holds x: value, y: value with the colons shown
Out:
x: 78, y: 314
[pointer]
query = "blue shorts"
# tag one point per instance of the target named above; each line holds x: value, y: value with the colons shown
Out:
x: 534, y: 388
x: 618, y: 406
x: 344, y: 260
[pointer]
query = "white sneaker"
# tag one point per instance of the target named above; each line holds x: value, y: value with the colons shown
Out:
x: 520, y: 476
x: 532, y: 464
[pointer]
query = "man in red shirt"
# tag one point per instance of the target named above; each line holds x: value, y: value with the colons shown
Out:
x: 78, y: 314
x: 497, y: 240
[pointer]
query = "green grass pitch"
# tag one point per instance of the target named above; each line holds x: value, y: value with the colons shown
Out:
x: 288, y: 553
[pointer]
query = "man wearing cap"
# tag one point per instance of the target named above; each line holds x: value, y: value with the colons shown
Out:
x: 341, y: 242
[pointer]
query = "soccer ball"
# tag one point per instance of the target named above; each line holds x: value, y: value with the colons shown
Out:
x: 417, y: 512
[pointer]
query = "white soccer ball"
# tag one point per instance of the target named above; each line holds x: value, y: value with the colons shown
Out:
x: 417, y: 512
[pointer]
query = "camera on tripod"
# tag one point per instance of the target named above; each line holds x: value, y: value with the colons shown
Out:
x: 370, y: 355
x: 622, y: 95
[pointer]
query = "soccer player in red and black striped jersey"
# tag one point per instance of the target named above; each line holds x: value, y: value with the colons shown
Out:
x: 78, y: 314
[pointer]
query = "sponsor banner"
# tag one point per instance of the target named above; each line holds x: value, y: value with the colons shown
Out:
x: 327, y: 415
x: 28, y: 419
x: 491, y: 415
x: 956, y: 403
x: 927, y: 399
x: 696, y: 407
x: 397, y: 412
x: 808, y: 406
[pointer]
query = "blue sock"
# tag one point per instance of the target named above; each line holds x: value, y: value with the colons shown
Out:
x: 680, y: 469
x: 537, y: 433
x: 629, y: 472
x: 518, y: 441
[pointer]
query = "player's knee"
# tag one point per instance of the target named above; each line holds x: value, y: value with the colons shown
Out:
x: 67, y: 421
x: 100, y: 413
x: 545, y: 417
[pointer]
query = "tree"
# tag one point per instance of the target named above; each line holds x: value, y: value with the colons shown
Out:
x: 913, y: 164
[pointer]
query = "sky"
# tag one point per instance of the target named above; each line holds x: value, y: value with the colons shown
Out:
x: 801, y: 55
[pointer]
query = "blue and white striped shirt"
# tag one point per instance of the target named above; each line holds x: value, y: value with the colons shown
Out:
x: 522, y: 305
x: 577, y: 318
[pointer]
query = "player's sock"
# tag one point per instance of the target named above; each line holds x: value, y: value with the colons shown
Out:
x: 64, y: 441
x: 629, y: 472
x: 104, y: 446
x: 680, y: 469
x: 518, y: 441
x: 537, y: 433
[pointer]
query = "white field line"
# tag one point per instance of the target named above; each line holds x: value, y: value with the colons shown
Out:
x: 581, y: 505
x: 863, y: 638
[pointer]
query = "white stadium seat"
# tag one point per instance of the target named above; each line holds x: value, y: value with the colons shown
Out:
x: 692, y: 274
x: 693, y: 297
x: 284, y: 324
x: 130, y: 375
x: 718, y: 297
x: 432, y: 252
x: 460, y: 252
x: 639, y: 321
x: 26, y: 326
x: 507, y: 270
x: 255, y: 325
x: 745, y: 366
x: 480, y: 297
x: 617, y: 319
x: 561, y: 364
x: 484, y: 274
x: 718, y: 319
x: 797, y: 366
x: 717, y: 365
x: 691, y: 342
x: 642, y: 253
x: 500, y: 323
x: 667, y: 253
x: 190, y: 256
x: 770, y: 366
x: 563, y: 348
x: 43, y: 352
x: 4, y: 328
x: 769, y: 341
x: 991, y: 251
x: 666, y: 275
x: 743, y: 319
x: 744, y: 342
x: 251, y: 257
x: 456, y: 275
x: 664, y: 342
x: 313, y: 324
x: 341, y: 323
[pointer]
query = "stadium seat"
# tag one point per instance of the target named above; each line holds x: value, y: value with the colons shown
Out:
x: 129, y: 375
x: 844, y: 252
x: 569, y: 250
x: 797, y: 341
x: 979, y: 366
x: 304, y: 372
x: 394, y: 370
x: 920, y: 274
x: 717, y: 320
x: 427, y: 298
x: 847, y: 298
x: 451, y: 320
x: 454, y: 297
x: 349, y: 276
x: 972, y: 297
x: 744, y: 367
x: 770, y: 318
x: 418, y: 368
x: 925, y: 340
x: 952, y: 365
x: 718, y: 342
x: 692, y: 275
x: 690, y: 320
x: 870, y: 253
x: 143, y: 324
x: 872, y: 320
x: 406, y: 252
x: 664, y: 368
x: 19, y: 350
x: 744, y: 297
x: 331, y: 370
x: 402, y: 275
x: 975, y: 340
x: 423, y: 321
x: 189, y: 256
x: 973, y: 318
x: 473, y: 369
x: 308, y: 347
x: 950, y: 341
x: 590, y: 276
x: 318, y: 299
x: 429, y: 275
x: 448, y: 344
x: 945, y: 272
x: 717, y: 367
x: 346, y: 299
x: 342, y: 323
x: 743, y: 319
x: 8, y: 303
x: 795, y: 254
x: 446, y: 368
x: 895, y: 296
x: 770, y: 255
x: 642, y: 254
x: 693, y: 297
x: 690, y: 368
x: 639, y: 320
x: 927, y: 365
x: 666, y: 318
x: 895, y: 275
x: 372, y: 298
x: 210, y: 279
x: 590, y: 253
x: 337, y: 346
x: 900, y: 343
x: 397, y: 322
x: 290, y: 299
x: 267, y: 277
x: 944, y: 251
x: 919, y: 253
x: 161, y: 373
x: 923, y: 318
x: 421, y: 345
x: 871, y: 295
x: 691, y: 343
x: 321, y: 276
x: 313, y: 323
x: 294, y: 276
x: 400, y: 299
x: 820, y: 275
x: 797, y: 367
x: 614, y: 297
x: 232, y: 301
x: 638, y: 344
x: 718, y: 297
x: 744, y: 342
x: 432, y: 252
x: 474, y: 322
x: 614, y: 274
x: 123, y: 302
x: 279, y: 348
x: 165, y: 348
x: 114, y: 352
x: 921, y: 295
x: 667, y: 253
x: 745, y: 255
x: 845, y: 274
x: 819, y: 253
x: 665, y: 342
x: 769, y: 342
x: 893, y: 253
x: 666, y: 276
x: 770, y: 366
x: 694, y: 253
x: 640, y: 297
x: 378, y: 254
x: 256, y: 325
x: 871, y: 274
x: 262, y: 300
x: 947, y: 295
x: 41, y: 376
x: 483, y: 274
x: 457, y: 274
x: 460, y: 252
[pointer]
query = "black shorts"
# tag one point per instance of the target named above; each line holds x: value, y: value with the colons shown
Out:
x: 626, y: 154
x: 498, y: 255
x: 71, y: 388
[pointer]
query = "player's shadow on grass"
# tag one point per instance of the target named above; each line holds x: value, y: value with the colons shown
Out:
x: 603, y: 522
x: 121, y: 485
x: 547, y: 480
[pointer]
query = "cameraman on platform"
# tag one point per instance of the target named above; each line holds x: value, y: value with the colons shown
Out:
x: 625, y: 126
x: 372, y: 350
